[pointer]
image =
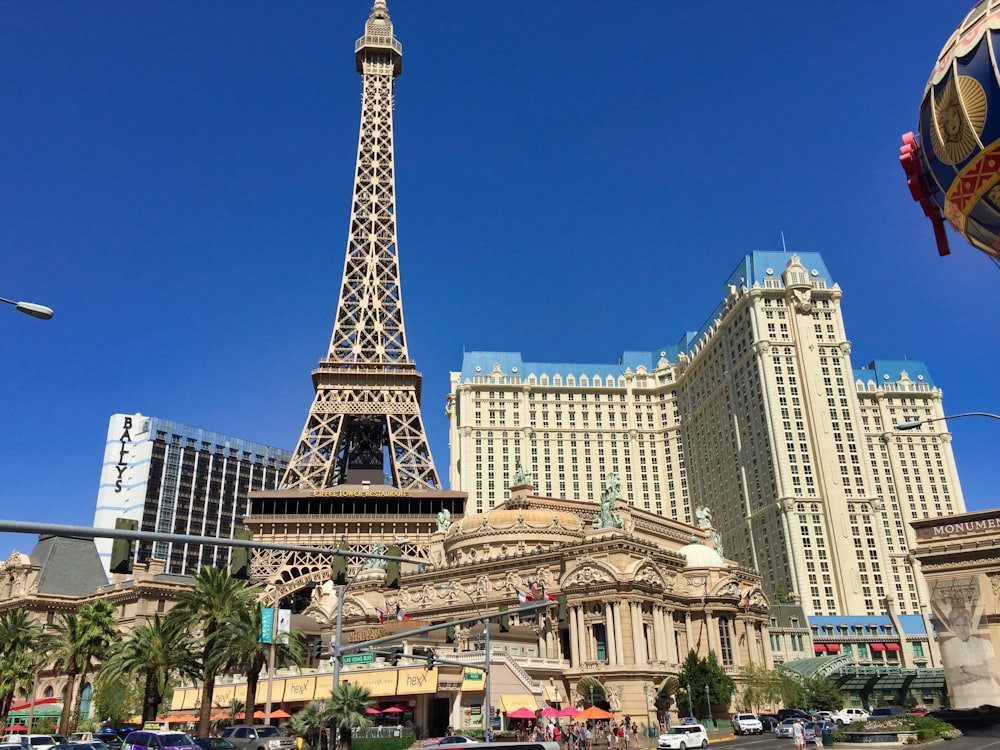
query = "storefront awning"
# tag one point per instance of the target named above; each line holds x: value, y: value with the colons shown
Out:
x: 819, y: 648
x: 514, y: 702
x: 552, y: 693
x: 833, y: 648
x: 876, y: 646
x: 892, y: 647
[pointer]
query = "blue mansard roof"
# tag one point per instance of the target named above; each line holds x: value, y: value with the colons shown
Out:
x: 753, y: 269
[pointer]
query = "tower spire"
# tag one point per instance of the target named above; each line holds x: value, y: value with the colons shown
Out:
x: 365, y: 420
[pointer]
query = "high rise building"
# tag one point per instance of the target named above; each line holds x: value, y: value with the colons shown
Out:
x: 757, y: 424
x: 177, y: 479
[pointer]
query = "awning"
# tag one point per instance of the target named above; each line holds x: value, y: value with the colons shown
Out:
x: 833, y: 648
x: 876, y: 646
x: 552, y: 693
x: 473, y: 680
x: 892, y: 647
x: 819, y: 648
x: 511, y: 703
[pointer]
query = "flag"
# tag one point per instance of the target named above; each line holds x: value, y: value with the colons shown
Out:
x: 533, y: 590
x: 381, y: 615
x: 400, y: 614
x: 704, y: 594
x: 522, y: 597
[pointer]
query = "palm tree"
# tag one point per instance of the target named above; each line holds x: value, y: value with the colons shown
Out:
x: 100, y: 633
x: 309, y: 722
x: 69, y: 651
x: 238, y: 648
x: 214, y: 598
x: 155, y: 651
x: 20, y: 641
x: 347, y: 711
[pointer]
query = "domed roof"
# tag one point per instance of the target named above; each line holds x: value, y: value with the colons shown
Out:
x: 513, y: 525
x: 701, y: 556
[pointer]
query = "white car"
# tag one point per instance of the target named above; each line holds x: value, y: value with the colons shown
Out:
x: 747, y: 724
x: 682, y: 737
x: 848, y: 716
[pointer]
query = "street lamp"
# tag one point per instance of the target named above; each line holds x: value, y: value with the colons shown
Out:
x: 708, y: 699
x: 30, y: 308
x: 645, y: 692
x: 914, y: 424
x: 690, y: 703
x: 487, y: 707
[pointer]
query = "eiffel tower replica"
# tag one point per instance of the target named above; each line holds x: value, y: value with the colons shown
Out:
x: 362, y: 470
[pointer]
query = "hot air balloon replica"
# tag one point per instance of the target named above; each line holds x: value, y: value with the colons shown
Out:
x: 953, y: 164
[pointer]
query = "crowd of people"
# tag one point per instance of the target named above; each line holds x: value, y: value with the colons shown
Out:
x: 617, y: 735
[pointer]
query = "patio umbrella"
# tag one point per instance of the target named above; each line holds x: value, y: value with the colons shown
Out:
x: 372, y: 711
x: 522, y: 713
x: 280, y: 714
x: 569, y: 711
x: 550, y: 713
x: 260, y: 714
x: 17, y: 727
x: 393, y: 710
x: 593, y: 712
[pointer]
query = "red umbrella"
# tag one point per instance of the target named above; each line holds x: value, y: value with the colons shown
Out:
x: 393, y: 710
x: 17, y: 727
x: 569, y: 711
x: 372, y: 711
x: 550, y: 713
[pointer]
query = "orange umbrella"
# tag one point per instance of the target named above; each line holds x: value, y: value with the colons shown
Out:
x: 594, y: 713
x: 280, y: 714
x: 260, y: 714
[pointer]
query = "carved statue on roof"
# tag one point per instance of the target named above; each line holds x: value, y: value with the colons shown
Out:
x: 703, y: 516
x: 374, y: 563
x: 521, y: 477
x: 605, y: 518
x: 444, y: 520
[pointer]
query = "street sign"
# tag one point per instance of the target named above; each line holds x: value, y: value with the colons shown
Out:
x: 359, y: 658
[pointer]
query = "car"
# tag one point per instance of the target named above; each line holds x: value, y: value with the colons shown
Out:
x: 769, y: 721
x: 258, y: 737
x: 919, y: 711
x: 747, y: 724
x: 884, y: 712
x: 784, y: 729
x: 158, y: 739
x: 794, y: 713
x: 849, y: 715
x: 34, y: 741
x: 455, y: 739
x: 682, y: 737
x: 822, y: 715
x: 87, y: 745
x: 213, y: 743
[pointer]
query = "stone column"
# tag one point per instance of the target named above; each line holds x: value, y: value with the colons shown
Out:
x: 738, y: 625
x: 609, y: 634
x: 671, y: 637
x: 712, y: 633
x: 574, y: 639
x: 616, y: 613
x: 638, y: 643
x: 659, y: 635
x: 688, y: 630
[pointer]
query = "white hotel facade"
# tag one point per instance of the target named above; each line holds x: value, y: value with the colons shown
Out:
x: 760, y: 416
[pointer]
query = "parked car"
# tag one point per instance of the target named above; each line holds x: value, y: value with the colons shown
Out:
x: 812, y: 728
x: 682, y: 737
x: 260, y: 737
x: 919, y: 711
x: 455, y: 739
x: 87, y: 745
x: 794, y: 713
x: 784, y: 729
x: 213, y: 743
x: 158, y: 739
x: 822, y: 715
x: 34, y: 741
x: 769, y: 721
x: 846, y: 716
x: 883, y: 712
x: 747, y: 724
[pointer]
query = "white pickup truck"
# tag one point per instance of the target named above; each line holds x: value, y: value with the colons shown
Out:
x: 846, y: 716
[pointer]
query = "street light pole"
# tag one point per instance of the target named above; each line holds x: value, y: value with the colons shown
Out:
x: 690, y: 703
x: 708, y: 699
x: 645, y: 692
x: 30, y: 308
x: 487, y: 707
x: 914, y: 424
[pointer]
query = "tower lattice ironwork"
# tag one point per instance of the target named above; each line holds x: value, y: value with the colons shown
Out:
x: 367, y: 407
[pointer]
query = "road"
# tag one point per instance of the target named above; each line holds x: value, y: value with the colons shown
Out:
x: 983, y: 739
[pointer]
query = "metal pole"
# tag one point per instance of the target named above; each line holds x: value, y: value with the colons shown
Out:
x: 645, y: 692
x: 690, y: 704
x: 708, y: 699
x: 250, y: 703
x: 487, y: 708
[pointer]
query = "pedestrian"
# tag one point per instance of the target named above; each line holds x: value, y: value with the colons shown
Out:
x: 818, y: 734
x: 799, y: 735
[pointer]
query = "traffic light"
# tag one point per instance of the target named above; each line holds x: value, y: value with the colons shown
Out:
x: 394, y: 656
x: 338, y: 567
x: 315, y: 647
x: 430, y: 660
x: 392, y: 567
x: 121, y: 549
x: 504, y: 620
x: 562, y: 608
x: 239, y: 561
x: 449, y: 634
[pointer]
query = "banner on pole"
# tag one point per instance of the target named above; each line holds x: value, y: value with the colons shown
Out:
x: 266, y: 624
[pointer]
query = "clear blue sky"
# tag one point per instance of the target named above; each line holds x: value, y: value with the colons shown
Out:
x: 574, y: 179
